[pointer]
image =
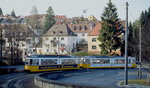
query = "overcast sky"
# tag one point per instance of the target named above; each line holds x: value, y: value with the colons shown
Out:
x: 72, y: 8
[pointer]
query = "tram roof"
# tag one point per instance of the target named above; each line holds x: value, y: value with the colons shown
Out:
x: 105, y: 57
x: 50, y: 56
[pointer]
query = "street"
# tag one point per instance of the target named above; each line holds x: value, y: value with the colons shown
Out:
x: 107, y: 78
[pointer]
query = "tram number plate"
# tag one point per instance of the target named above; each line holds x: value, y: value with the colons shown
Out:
x: 49, y: 67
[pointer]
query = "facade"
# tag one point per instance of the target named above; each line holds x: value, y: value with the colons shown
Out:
x: 59, y: 39
x: 93, y: 43
x: 82, y: 29
x: 21, y: 40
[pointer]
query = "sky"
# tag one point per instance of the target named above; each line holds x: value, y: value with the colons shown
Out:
x: 74, y: 8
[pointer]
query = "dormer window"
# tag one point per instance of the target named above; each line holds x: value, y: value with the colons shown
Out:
x: 60, y: 32
x: 80, y: 28
x: 53, y: 32
x: 84, y: 28
x: 74, y: 28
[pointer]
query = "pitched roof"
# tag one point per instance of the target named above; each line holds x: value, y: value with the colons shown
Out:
x: 95, y: 31
x: 20, y: 31
x: 59, y: 30
x: 80, y: 28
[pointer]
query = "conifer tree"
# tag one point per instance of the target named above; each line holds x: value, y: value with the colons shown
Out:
x: 13, y: 13
x: 49, y: 20
x: 1, y: 12
x: 111, y: 30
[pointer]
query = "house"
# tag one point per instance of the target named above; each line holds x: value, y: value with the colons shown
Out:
x: 93, y: 43
x: 59, y: 39
x: 82, y: 29
x: 19, y: 38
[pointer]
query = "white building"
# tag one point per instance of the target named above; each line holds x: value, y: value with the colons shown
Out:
x: 59, y: 39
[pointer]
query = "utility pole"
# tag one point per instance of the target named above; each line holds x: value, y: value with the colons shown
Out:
x: 1, y: 44
x: 126, y: 47
x: 140, y: 72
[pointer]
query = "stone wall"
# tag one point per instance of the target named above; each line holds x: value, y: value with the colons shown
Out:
x: 48, y: 83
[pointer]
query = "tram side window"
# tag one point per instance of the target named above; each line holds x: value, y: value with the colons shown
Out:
x: 34, y: 61
x: 133, y: 61
x: 85, y: 61
x: 100, y: 61
x: 27, y: 62
x: 129, y: 60
x: 68, y: 61
x: 119, y: 61
x: 48, y: 61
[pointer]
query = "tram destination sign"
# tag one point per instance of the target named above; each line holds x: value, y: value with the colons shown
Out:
x: 49, y: 67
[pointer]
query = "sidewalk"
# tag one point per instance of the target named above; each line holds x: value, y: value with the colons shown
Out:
x: 131, y: 85
x: 8, y: 69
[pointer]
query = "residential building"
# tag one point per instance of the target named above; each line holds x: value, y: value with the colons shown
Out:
x: 19, y: 39
x: 93, y: 43
x: 59, y: 39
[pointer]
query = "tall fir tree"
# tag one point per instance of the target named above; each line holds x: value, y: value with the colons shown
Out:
x: 1, y: 12
x: 34, y: 21
x: 110, y: 31
x: 49, y: 20
x: 34, y: 10
x: 13, y: 14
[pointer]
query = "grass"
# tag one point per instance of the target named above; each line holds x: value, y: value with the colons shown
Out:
x: 139, y: 82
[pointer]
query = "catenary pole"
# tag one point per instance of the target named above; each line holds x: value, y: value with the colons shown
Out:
x: 1, y: 44
x: 140, y: 72
x: 126, y: 47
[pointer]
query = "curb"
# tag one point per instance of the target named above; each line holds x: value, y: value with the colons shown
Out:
x: 131, y: 85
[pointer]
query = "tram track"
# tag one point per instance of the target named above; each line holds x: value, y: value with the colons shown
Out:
x: 16, y: 80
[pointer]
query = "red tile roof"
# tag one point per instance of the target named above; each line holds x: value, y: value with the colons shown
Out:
x: 95, y: 31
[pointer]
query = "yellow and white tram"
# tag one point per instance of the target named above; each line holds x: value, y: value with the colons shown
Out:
x: 51, y: 62
x: 39, y: 63
x: 106, y: 62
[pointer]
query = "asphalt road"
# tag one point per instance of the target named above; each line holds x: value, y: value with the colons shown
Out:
x: 17, y: 80
x: 107, y: 78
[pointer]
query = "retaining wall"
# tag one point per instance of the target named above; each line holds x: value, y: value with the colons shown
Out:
x: 48, y: 83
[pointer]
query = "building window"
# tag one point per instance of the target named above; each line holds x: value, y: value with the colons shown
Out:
x: 62, y: 45
x: 94, y: 47
x: 80, y: 27
x: 47, y: 50
x: 74, y: 28
x: 93, y: 39
x: 53, y: 32
x: 84, y: 28
x: 60, y: 32
x: 46, y: 38
x: 62, y: 38
x: 23, y: 45
x: 54, y: 38
x: 83, y: 34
